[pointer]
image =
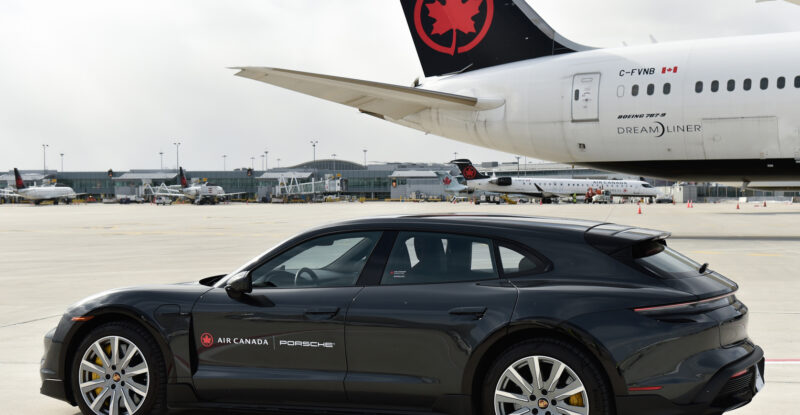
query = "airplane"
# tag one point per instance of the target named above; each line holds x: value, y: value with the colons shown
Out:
x: 38, y: 194
x: 198, y: 193
x: 549, y: 188
x: 498, y: 76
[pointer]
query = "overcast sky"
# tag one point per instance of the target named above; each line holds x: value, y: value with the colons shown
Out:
x: 112, y: 83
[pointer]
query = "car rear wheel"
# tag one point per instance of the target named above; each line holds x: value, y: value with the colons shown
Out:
x: 545, y: 377
x: 118, y: 370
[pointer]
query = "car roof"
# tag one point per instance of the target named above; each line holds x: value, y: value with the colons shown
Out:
x: 517, y: 222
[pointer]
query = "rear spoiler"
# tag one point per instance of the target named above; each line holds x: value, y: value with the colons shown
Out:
x: 611, y: 238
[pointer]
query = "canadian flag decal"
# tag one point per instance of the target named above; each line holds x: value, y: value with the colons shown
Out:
x: 665, y: 69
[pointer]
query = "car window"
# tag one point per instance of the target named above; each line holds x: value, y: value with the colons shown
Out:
x: 430, y: 258
x: 516, y: 262
x: 327, y: 261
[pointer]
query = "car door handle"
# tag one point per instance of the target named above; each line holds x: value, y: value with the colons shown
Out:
x: 477, y: 312
x: 322, y: 312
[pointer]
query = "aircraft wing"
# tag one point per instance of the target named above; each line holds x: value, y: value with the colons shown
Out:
x: 373, y: 98
x: 9, y: 193
x: 232, y: 194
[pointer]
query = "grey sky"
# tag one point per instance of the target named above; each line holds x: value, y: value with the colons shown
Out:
x: 112, y: 83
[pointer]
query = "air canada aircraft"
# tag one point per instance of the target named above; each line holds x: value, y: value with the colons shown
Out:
x: 548, y: 187
x: 198, y: 193
x: 498, y: 76
x: 38, y: 194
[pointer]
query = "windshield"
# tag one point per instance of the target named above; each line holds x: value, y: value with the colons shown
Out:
x: 664, y: 261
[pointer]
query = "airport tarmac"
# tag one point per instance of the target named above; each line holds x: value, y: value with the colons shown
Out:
x: 52, y: 256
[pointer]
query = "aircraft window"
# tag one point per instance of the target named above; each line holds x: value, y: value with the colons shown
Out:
x: 764, y: 83
x: 647, y: 185
x: 439, y: 258
x: 714, y: 86
x: 667, y: 88
x: 577, y: 94
x: 635, y: 90
x: 327, y: 261
x: 781, y: 82
x: 746, y: 84
x: 698, y: 87
x: 621, y: 91
x: 650, y: 89
x: 797, y: 81
x: 517, y: 263
x: 731, y: 85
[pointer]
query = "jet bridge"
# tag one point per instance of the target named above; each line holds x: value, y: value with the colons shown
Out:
x: 291, y: 184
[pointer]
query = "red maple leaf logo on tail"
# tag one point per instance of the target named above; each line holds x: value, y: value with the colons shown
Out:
x: 447, y: 181
x: 453, y: 15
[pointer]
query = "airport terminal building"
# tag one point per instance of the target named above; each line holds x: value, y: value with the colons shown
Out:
x: 314, y: 179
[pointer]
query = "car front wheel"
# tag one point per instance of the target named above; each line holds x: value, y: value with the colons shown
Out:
x: 545, y: 376
x: 118, y: 370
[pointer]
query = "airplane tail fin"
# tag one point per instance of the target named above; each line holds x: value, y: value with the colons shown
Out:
x: 468, y: 170
x: 460, y: 35
x: 450, y: 183
x: 18, y: 182
x: 183, y: 178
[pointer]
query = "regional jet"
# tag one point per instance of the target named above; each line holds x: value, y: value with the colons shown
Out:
x: 549, y: 188
x: 38, y: 194
x: 498, y: 76
x: 198, y: 193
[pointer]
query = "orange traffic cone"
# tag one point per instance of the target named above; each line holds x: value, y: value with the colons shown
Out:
x: 689, y: 204
x: 640, y: 209
x: 737, y: 205
x: 765, y: 203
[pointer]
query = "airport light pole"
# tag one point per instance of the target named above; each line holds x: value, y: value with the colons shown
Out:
x: 161, y: 158
x: 314, y: 157
x: 224, y: 160
x: 44, y: 158
x: 266, y: 160
x: 263, y: 160
x: 334, y: 162
x: 518, y: 165
x: 279, y: 163
x: 62, y: 161
x: 177, y: 154
x: 455, y: 155
x: 365, y: 157
x: 253, y: 163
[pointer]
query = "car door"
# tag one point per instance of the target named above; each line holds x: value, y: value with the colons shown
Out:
x: 284, y: 341
x: 410, y: 336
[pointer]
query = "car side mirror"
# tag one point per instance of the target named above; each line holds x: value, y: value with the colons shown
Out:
x: 240, y: 284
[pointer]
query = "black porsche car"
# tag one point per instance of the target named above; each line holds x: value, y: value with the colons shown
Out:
x: 458, y: 314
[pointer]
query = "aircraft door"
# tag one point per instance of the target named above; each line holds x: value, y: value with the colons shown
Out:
x: 585, y: 94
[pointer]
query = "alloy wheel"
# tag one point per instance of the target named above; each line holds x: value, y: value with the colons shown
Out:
x: 540, y: 385
x: 113, y: 376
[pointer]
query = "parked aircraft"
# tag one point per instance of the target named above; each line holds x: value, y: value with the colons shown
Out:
x: 721, y: 109
x: 198, y: 193
x: 38, y: 194
x: 550, y: 188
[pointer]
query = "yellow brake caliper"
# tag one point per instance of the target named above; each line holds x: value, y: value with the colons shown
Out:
x: 99, y: 362
x: 576, y: 399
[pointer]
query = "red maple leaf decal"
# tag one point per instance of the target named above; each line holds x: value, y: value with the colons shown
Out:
x: 447, y: 181
x: 453, y: 15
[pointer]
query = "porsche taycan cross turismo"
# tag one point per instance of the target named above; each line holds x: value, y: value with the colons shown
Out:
x: 458, y: 314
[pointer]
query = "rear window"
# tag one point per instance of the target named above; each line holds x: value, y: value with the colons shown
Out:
x: 658, y: 258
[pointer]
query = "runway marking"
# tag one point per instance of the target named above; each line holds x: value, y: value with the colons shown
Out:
x: 708, y: 252
x: 764, y: 255
x: 783, y: 361
x: 30, y: 321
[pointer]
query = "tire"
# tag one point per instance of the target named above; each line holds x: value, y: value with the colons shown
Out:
x: 550, y: 353
x: 142, y: 393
